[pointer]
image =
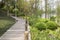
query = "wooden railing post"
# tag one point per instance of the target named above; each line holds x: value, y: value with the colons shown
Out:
x: 27, y: 30
x: 26, y: 35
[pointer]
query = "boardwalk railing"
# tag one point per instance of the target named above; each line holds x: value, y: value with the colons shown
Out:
x: 27, y: 32
x: 29, y: 36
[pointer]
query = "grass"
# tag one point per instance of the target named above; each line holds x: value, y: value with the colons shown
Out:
x: 5, y: 24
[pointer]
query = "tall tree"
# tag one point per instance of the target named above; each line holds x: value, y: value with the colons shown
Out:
x: 8, y: 5
x: 36, y: 6
x: 58, y: 11
x: 46, y: 2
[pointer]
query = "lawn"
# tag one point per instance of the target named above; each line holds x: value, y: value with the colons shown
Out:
x: 5, y: 23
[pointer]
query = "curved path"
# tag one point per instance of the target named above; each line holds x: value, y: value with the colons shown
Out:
x: 16, y: 32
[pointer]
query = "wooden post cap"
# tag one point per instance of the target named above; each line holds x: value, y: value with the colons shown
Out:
x: 26, y: 35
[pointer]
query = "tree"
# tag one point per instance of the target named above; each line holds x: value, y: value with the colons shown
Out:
x: 46, y: 1
x: 58, y: 11
x: 7, y: 5
x: 36, y: 6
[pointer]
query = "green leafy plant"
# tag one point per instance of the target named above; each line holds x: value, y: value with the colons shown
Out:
x: 52, y: 18
x: 43, y: 24
x: 52, y: 25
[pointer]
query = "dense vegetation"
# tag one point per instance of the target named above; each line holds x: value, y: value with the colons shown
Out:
x: 42, y: 24
x: 44, y: 29
x: 43, y: 16
x: 45, y: 34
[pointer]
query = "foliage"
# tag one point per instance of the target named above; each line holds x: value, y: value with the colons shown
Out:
x: 34, y: 33
x: 45, y: 34
x: 11, y: 9
x: 20, y: 14
x: 15, y: 10
x: 5, y: 7
x: 43, y: 24
x: 52, y: 18
x: 1, y: 5
x: 52, y: 25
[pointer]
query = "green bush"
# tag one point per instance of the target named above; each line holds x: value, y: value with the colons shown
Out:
x: 44, y: 34
x: 34, y: 33
x: 21, y: 14
x: 52, y: 18
x: 43, y: 24
x: 51, y: 25
x: 32, y: 21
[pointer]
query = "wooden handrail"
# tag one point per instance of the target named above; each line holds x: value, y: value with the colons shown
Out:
x: 27, y: 31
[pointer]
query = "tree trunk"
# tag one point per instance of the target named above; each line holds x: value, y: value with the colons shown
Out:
x: 58, y: 11
x: 8, y: 13
x: 46, y: 9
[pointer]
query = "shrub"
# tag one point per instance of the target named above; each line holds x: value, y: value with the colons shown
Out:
x: 32, y: 21
x: 20, y: 14
x: 44, y: 34
x: 52, y: 18
x: 34, y: 33
x: 43, y: 24
x: 52, y: 25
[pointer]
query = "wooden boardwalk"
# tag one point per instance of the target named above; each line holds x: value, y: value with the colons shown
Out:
x: 16, y: 32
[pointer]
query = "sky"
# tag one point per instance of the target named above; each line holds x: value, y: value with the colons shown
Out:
x: 52, y: 3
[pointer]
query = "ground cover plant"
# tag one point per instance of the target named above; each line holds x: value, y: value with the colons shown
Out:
x: 44, y: 29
